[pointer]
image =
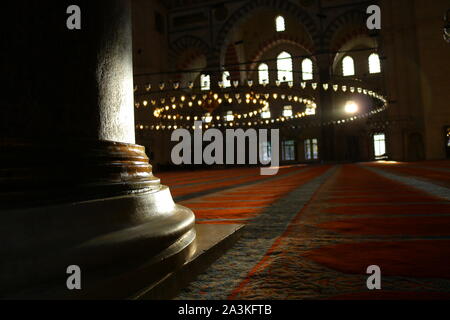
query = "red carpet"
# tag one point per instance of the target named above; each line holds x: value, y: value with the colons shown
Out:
x: 315, y: 258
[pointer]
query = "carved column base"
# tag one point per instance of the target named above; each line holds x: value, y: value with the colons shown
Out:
x: 110, y: 225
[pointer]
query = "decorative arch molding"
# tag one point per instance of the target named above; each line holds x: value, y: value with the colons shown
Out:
x: 348, y: 37
x: 276, y: 41
x: 356, y: 18
x: 201, y: 48
x: 247, y: 9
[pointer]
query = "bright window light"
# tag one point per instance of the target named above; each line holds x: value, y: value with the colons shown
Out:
x: 263, y: 73
x: 280, y: 24
x: 287, y: 111
x: 226, y: 79
x: 207, y: 118
x: 379, y: 142
x: 307, y: 69
x: 230, y: 116
x: 266, y: 114
x: 205, y: 81
x: 288, y: 148
x: 348, y: 66
x: 284, y: 66
x: 374, y: 63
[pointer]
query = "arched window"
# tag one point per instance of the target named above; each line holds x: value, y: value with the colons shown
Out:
x: 374, y: 63
x: 280, y: 24
x: 284, y: 66
x: 226, y: 79
x: 205, y: 82
x: 307, y: 69
x: 348, y: 66
x: 263, y: 73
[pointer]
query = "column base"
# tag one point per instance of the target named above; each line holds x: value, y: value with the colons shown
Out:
x: 93, y: 204
x: 104, y: 238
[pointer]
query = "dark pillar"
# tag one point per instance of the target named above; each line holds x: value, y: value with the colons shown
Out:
x: 74, y: 188
x: 327, y: 141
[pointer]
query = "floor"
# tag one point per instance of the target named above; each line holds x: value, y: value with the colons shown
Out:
x: 312, y: 231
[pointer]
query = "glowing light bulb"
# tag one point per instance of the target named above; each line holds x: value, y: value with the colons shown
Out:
x: 351, y: 107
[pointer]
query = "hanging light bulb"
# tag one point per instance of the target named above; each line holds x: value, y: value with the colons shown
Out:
x: 236, y: 83
x: 148, y: 87
x: 303, y: 85
x: 161, y: 86
x: 314, y: 86
x: 325, y: 86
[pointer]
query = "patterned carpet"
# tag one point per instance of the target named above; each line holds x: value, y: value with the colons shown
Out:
x: 313, y: 231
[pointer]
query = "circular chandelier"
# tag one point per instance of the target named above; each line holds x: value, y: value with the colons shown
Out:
x: 241, y: 104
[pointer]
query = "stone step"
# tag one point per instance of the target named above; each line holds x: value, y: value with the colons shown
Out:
x: 212, y: 241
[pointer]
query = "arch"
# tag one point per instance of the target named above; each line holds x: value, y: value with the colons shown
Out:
x: 181, y: 45
x: 354, y: 18
x: 276, y: 41
x: 282, y: 39
x: 355, y: 41
x: 249, y: 8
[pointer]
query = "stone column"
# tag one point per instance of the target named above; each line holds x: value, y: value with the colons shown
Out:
x: 327, y: 140
x: 74, y: 188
